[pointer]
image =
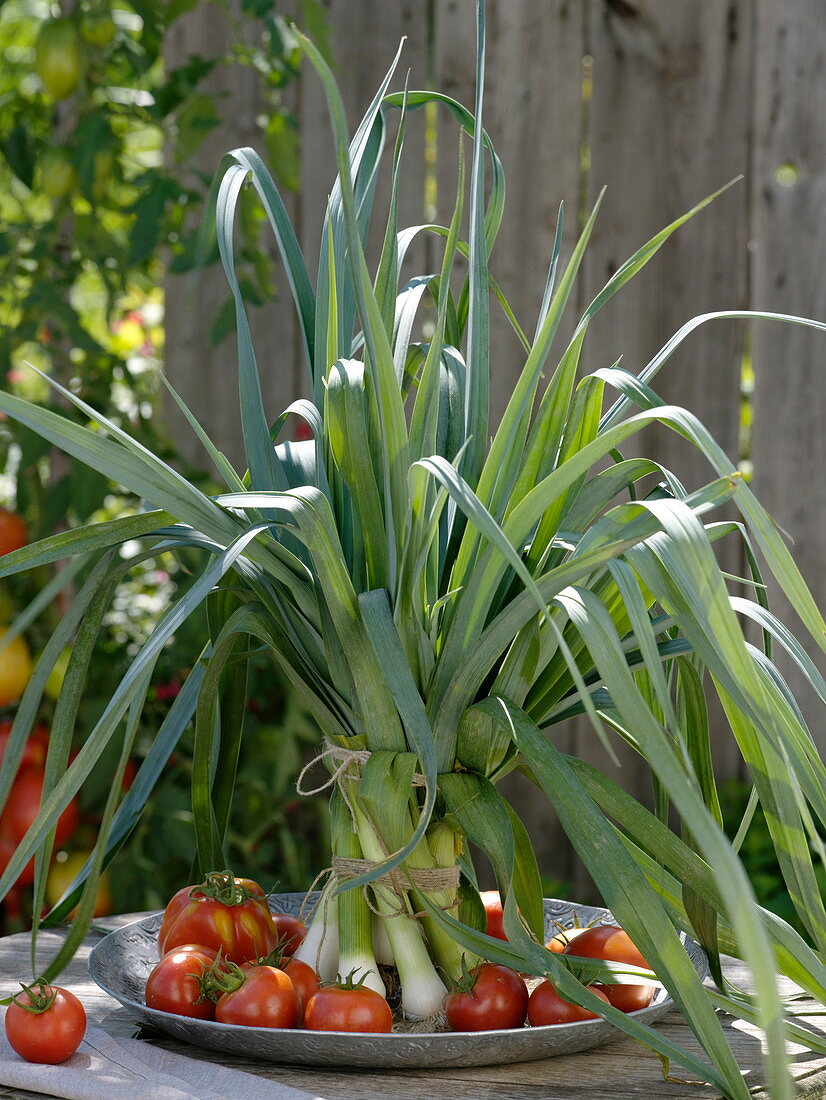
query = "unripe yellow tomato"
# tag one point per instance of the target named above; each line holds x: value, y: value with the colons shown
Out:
x: 57, y: 173
x: 15, y: 668
x: 56, y: 677
x: 62, y: 874
x: 98, y: 29
x: 58, y: 57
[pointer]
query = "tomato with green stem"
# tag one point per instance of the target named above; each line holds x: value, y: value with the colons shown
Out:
x: 255, y: 995
x: 488, y: 998
x: 44, y: 1023
x: 348, y: 1005
x: 175, y: 984
x: 222, y: 912
x: 301, y: 974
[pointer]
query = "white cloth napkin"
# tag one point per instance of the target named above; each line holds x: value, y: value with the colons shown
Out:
x: 103, y: 1068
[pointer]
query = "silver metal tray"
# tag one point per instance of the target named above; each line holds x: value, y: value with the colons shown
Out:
x: 121, y: 962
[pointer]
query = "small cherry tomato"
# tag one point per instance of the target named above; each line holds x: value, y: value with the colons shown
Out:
x: 489, y: 998
x: 607, y: 941
x: 175, y: 983
x: 348, y: 1006
x: 291, y: 932
x: 493, y: 913
x: 222, y: 912
x: 264, y: 996
x: 545, y: 1006
x: 45, y: 1023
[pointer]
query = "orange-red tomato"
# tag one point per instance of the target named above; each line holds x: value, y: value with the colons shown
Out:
x: 558, y: 942
x: 607, y: 941
x: 545, y: 1006
x: 266, y: 998
x: 497, y: 998
x: 337, y: 1008
x: 222, y: 912
x: 493, y: 913
x: 291, y: 932
x: 174, y: 986
x: 305, y: 980
x: 35, y: 748
x: 51, y: 1033
x: 13, y: 533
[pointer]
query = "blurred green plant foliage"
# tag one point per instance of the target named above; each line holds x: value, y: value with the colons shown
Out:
x: 98, y: 194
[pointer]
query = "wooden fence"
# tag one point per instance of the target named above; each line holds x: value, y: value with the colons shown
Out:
x: 663, y: 103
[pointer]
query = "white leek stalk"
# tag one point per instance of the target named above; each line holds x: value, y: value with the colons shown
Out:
x: 381, y: 944
x: 355, y: 924
x: 319, y: 948
x: 423, y: 991
x: 438, y: 850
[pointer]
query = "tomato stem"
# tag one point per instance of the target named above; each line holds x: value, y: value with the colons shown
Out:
x: 222, y: 886
x: 41, y: 996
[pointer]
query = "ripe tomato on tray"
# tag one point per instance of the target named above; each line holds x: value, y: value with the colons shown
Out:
x: 348, y: 1006
x: 607, y: 941
x: 489, y: 998
x: 221, y: 912
x: 545, y: 1006
x: 257, y: 995
x: 175, y: 986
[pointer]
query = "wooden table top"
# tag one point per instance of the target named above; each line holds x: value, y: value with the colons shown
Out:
x: 623, y: 1070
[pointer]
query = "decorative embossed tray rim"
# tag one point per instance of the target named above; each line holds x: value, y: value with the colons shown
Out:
x: 120, y: 963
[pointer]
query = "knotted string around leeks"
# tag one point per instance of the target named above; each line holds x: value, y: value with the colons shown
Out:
x: 396, y: 897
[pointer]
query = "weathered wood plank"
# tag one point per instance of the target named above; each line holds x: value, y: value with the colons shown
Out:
x: 789, y: 441
x: 622, y: 1070
x: 206, y: 376
x: 533, y: 113
x: 669, y: 124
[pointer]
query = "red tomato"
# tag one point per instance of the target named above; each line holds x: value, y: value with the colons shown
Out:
x: 174, y: 985
x: 493, y: 913
x: 497, y: 998
x: 545, y: 1006
x: 23, y: 805
x: 7, y: 849
x: 266, y: 997
x: 347, y: 1007
x: 13, y: 532
x: 305, y: 980
x: 34, y: 750
x: 291, y: 932
x: 51, y: 1033
x: 222, y: 912
x: 607, y: 941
